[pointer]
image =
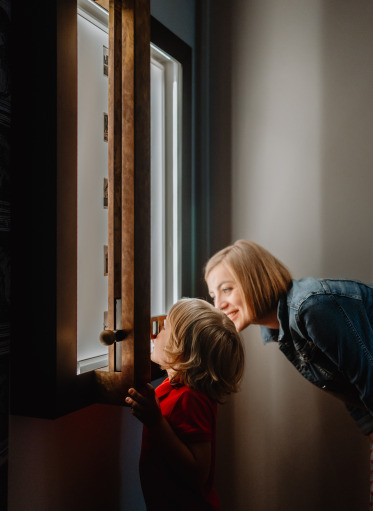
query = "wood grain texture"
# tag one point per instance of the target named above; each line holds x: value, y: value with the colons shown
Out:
x: 103, y: 3
x: 129, y: 193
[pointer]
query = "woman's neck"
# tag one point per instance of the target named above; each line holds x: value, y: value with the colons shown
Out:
x: 270, y: 320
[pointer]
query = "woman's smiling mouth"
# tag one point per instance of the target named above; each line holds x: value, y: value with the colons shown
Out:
x: 232, y: 314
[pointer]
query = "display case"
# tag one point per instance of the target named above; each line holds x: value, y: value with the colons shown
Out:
x: 81, y: 221
x: 45, y: 217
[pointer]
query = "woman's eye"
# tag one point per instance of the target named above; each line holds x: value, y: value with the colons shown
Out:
x: 227, y: 289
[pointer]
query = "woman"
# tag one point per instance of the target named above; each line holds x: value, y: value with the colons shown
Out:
x: 323, y: 326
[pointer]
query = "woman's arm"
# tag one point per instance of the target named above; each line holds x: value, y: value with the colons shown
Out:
x: 192, y: 460
x: 340, y: 327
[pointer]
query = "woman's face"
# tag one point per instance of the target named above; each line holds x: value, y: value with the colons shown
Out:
x: 158, y: 355
x: 227, y: 296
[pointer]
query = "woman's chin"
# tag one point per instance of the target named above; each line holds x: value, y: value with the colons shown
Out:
x: 237, y: 324
x: 240, y: 325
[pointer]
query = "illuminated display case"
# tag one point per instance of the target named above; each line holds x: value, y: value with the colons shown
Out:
x: 48, y: 376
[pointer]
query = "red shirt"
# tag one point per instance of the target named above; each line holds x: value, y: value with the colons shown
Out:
x: 192, y: 415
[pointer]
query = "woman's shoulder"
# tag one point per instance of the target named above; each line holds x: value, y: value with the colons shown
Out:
x: 302, y: 289
x: 310, y: 289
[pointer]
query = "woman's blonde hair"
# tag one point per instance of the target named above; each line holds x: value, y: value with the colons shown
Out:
x: 205, y: 349
x: 262, y: 278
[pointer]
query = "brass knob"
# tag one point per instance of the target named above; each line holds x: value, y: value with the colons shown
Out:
x: 109, y: 337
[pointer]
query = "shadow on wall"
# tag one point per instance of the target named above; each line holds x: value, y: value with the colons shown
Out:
x: 346, y: 140
x: 84, y: 460
x: 346, y: 188
x: 274, y: 442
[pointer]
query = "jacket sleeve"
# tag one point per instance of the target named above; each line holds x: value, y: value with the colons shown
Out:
x: 340, y: 327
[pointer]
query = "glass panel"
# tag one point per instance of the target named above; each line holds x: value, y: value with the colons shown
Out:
x: 92, y: 183
x: 92, y: 187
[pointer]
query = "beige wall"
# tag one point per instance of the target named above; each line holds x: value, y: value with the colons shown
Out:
x: 299, y: 144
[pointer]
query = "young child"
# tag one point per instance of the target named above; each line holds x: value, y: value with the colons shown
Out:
x: 202, y: 353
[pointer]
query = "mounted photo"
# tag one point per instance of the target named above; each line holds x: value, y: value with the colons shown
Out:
x: 106, y: 127
x: 106, y: 60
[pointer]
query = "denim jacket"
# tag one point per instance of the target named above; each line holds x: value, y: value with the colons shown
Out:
x: 326, y: 331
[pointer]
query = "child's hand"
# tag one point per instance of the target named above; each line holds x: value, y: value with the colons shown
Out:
x: 145, y: 406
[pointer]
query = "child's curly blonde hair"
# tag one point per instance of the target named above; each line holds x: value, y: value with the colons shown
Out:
x: 205, y: 349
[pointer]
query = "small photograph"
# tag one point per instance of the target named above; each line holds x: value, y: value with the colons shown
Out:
x: 106, y: 192
x: 106, y: 127
x: 106, y: 260
x: 106, y: 60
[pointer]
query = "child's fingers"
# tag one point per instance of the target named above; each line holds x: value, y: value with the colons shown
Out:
x: 146, y: 391
x: 136, y: 396
x: 136, y: 408
x: 129, y: 401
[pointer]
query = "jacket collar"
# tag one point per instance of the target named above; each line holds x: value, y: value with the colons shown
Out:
x: 277, y: 335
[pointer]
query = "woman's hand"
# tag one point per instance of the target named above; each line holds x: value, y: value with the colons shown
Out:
x: 145, y: 406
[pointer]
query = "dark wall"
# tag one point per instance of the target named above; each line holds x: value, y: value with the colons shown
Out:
x: 4, y: 242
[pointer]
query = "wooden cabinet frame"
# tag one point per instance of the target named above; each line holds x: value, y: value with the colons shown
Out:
x: 129, y: 194
x: 44, y: 210
x: 44, y: 382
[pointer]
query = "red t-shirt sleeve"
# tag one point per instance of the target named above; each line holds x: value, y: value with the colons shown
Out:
x: 194, y: 417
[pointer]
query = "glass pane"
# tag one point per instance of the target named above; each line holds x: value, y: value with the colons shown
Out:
x: 92, y: 183
x: 92, y: 186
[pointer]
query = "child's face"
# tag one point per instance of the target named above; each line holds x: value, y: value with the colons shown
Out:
x: 159, y: 356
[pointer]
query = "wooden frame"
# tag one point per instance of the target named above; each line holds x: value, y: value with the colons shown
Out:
x: 178, y: 49
x: 43, y: 283
x: 129, y: 195
x: 44, y: 382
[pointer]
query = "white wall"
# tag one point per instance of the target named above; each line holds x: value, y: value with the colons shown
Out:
x: 301, y: 159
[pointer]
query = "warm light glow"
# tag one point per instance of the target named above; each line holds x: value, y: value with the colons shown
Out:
x: 175, y: 183
x: 101, y: 4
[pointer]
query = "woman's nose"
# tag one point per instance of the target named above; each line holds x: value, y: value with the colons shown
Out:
x: 220, y: 303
